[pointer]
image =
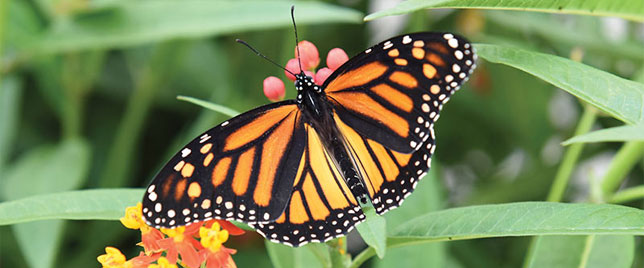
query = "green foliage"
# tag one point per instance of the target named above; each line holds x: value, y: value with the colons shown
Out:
x: 373, y: 231
x: 584, y: 251
x: 628, y: 9
x: 620, y: 98
x: 131, y: 23
x: 519, y: 219
x: 554, y: 112
x: 100, y: 204
x: 621, y: 133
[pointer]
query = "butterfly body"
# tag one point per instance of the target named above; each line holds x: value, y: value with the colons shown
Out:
x: 316, y: 110
x: 299, y: 170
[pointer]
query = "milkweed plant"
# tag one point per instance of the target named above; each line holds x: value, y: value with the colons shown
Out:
x: 541, y: 152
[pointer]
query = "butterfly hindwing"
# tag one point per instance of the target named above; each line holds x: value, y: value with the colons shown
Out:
x: 321, y: 205
x: 392, y: 93
x: 388, y: 176
x: 242, y: 170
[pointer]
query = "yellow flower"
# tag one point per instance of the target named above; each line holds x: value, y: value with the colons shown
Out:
x: 133, y: 218
x: 113, y: 259
x: 213, y: 237
x: 162, y: 263
x: 176, y: 233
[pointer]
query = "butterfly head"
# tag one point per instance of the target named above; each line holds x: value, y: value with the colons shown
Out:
x: 305, y: 82
x: 304, y: 85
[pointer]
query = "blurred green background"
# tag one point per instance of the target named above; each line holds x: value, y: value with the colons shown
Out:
x: 88, y: 100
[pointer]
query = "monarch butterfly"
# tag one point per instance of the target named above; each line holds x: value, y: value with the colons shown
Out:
x: 299, y: 170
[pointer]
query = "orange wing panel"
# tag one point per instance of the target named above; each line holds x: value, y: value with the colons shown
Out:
x: 395, y: 97
x: 361, y: 103
x: 256, y: 128
x: 318, y: 210
x: 220, y: 171
x: 357, y: 77
x: 242, y: 172
x: 272, y: 152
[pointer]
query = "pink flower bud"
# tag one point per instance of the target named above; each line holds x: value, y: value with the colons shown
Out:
x: 309, y: 55
x: 322, y: 75
x: 336, y: 58
x: 294, y: 67
x: 273, y: 88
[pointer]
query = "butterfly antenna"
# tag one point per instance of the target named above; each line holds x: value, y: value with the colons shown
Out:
x: 262, y: 55
x: 297, y: 47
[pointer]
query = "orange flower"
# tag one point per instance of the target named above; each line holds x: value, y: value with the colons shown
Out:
x: 149, y: 236
x: 181, y: 242
x: 215, y: 254
x: 162, y: 263
x: 221, y: 258
x: 181, y: 245
x: 115, y: 259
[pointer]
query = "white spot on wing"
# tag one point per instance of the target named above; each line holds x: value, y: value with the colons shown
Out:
x: 406, y: 39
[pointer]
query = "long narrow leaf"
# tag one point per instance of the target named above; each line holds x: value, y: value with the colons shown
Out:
x: 621, y: 98
x: 137, y: 22
x: 104, y: 204
x: 620, y: 134
x: 628, y: 9
x: 521, y: 219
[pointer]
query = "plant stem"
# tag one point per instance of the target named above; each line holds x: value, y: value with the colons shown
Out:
x: 362, y: 257
x: 338, y: 252
x: 624, y: 160
x: 585, y: 255
x: 3, y: 21
x: 565, y: 170
x: 628, y: 195
x: 79, y: 72
x: 572, y: 155
x: 124, y: 147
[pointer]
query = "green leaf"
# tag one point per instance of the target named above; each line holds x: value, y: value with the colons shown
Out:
x: 619, y: 134
x: 427, y: 197
x: 611, y: 251
x: 283, y: 256
x: 209, y: 105
x: 131, y: 23
x: 515, y: 219
x: 560, y: 32
x: 373, y: 232
x: 40, y: 254
x: 43, y: 170
x: 621, y: 98
x: 520, y: 219
x: 583, y: 251
x: 48, y: 169
x: 103, y: 204
x: 10, y: 99
x: 627, y: 9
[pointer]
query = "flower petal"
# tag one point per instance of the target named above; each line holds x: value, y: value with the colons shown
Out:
x: 309, y: 55
x: 274, y: 88
x: 336, y: 58
x: 322, y: 75
x: 292, y: 66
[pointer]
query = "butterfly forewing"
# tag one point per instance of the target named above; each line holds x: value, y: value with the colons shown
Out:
x: 240, y: 170
x: 392, y: 93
